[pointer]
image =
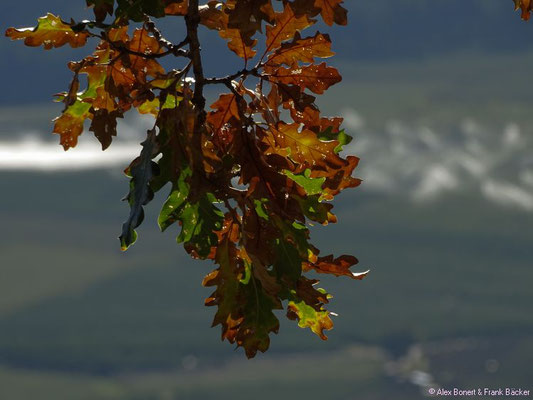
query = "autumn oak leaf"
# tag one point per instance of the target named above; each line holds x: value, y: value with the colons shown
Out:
x: 316, y: 78
x: 285, y: 27
x: 525, y: 6
x: 50, y: 32
x: 332, y: 11
x: 302, y: 50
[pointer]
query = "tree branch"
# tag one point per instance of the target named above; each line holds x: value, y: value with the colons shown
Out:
x: 192, y: 20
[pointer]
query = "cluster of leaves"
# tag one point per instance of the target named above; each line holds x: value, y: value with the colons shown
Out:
x: 244, y: 181
x: 247, y: 177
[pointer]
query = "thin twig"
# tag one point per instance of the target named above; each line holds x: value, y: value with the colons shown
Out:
x: 242, y: 73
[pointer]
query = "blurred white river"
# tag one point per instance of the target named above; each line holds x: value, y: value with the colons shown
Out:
x: 417, y: 162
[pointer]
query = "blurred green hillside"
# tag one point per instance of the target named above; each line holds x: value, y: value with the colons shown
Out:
x: 80, y: 320
x: 448, y: 301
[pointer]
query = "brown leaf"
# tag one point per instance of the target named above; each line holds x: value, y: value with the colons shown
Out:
x: 338, y: 267
x: 305, y: 290
x: 338, y: 179
x: 526, y: 6
x: 226, y: 110
x: 300, y: 105
x: 332, y: 11
x: 238, y: 36
x: 212, y: 16
x: 104, y: 126
x: 101, y: 8
x: 316, y: 78
x: 304, y: 7
x: 177, y: 7
x: 247, y: 16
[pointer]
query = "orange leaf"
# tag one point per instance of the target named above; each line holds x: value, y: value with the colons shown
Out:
x: 303, y: 50
x: 142, y: 42
x: 305, y: 147
x: 50, y: 32
x: 69, y: 125
x: 103, y: 100
x: 238, y: 43
x: 285, y: 26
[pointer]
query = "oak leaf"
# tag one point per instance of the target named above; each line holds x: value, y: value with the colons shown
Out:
x: 226, y: 110
x: 302, y: 50
x: 332, y: 11
x: 50, y: 32
x: 285, y: 27
x: 525, y: 6
x: 141, y: 171
x: 339, y: 266
x: 308, y: 317
x: 316, y: 78
x: 101, y: 8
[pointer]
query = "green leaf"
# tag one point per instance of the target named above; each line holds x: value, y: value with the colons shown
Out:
x: 316, y: 210
x: 341, y: 136
x: 141, y: 171
x: 311, y: 185
x: 173, y: 206
x: 69, y: 125
x: 259, y: 319
x: 245, y: 310
x: 199, y: 221
x: 308, y: 317
x: 295, y: 233
x: 288, y: 264
x: 247, y: 272
x: 260, y: 208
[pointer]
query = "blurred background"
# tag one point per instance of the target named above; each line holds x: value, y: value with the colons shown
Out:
x: 438, y: 97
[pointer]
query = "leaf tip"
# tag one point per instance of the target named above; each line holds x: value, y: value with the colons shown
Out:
x: 360, y: 275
